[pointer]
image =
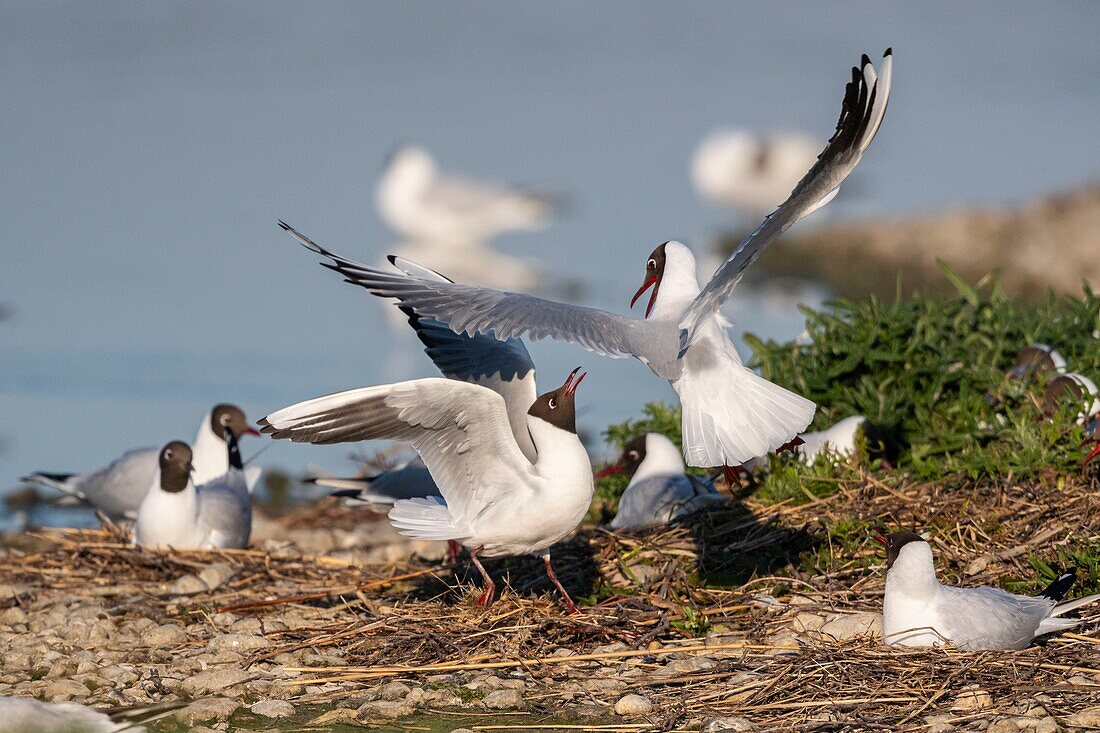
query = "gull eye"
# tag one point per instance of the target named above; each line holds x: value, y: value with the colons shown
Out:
x: 553, y: 404
x: 168, y: 453
x: 652, y: 264
x: 225, y: 419
x: 633, y: 455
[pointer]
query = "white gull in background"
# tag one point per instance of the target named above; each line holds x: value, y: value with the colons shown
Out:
x: 659, y: 491
x: 117, y: 489
x: 918, y: 610
x: 495, y: 500
x: 177, y: 514
x: 729, y: 413
x: 748, y: 172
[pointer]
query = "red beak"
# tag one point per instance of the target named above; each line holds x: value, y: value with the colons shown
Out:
x: 880, y: 535
x: 1095, y: 452
x: 649, y: 283
x: 252, y: 431
x: 611, y: 470
x: 570, y: 385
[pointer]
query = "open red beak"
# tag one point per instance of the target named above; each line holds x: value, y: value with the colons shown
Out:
x: 880, y: 535
x: 611, y: 470
x: 649, y: 283
x: 1095, y: 452
x: 570, y: 385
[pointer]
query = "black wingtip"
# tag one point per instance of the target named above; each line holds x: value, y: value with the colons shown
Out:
x: 286, y: 227
x: 1057, y: 590
x: 889, y: 52
x: 392, y: 259
x: 864, y: 60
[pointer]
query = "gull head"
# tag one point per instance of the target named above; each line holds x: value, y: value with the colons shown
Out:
x: 654, y: 272
x: 175, y: 466
x: 230, y: 417
x: 894, y: 542
x: 629, y: 460
x: 559, y: 407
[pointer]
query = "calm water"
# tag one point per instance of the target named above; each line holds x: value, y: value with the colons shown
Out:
x: 153, y: 146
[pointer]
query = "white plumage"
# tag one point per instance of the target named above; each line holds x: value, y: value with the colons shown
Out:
x: 25, y: 715
x: 748, y: 172
x: 729, y: 413
x: 918, y: 610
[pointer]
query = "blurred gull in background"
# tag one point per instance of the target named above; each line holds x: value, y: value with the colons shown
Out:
x: 751, y: 173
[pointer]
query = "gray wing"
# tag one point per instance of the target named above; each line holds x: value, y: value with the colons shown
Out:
x: 225, y: 509
x: 118, y: 489
x: 503, y: 366
x: 990, y: 618
x: 652, y: 501
x: 472, y: 310
x: 408, y: 482
x: 865, y: 100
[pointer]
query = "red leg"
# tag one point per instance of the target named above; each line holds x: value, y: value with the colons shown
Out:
x: 454, y: 549
x: 569, y: 605
x: 732, y: 475
x: 486, y: 597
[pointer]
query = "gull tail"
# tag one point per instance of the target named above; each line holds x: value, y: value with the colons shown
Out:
x: 425, y: 519
x: 63, y: 482
x: 731, y: 415
x: 1073, y: 605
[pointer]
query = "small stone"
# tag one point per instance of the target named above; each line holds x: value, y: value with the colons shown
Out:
x: 1087, y: 718
x: 213, y: 680
x: 736, y: 724
x: 13, y: 616
x: 973, y: 698
x: 503, y: 700
x: 977, y: 565
x: 206, y: 710
x: 338, y: 716
x: 216, y: 573
x: 236, y: 643
x: 165, y: 635
x: 685, y: 666
x: 393, y: 691
x: 1004, y: 725
x: 1047, y: 725
x: 65, y: 690
x: 383, y: 710
x: 273, y: 709
x: 806, y: 621
x: 633, y: 705
x: 939, y: 723
x: 187, y: 585
x: 604, y: 685
x: 850, y: 626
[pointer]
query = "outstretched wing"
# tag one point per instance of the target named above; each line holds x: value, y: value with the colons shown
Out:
x: 461, y: 431
x: 865, y: 100
x: 471, y: 310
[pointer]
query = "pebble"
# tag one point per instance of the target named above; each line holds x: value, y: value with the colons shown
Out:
x: 685, y: 666
x: 1004, y: 725
x: 384, y: 710
x: 736, y: 724
x: 216, y: 573
x: 972, y: 698
x: 503, y: 699
x: 1047, y: 725
x: 165, y: 635
x: 213, y: 680
x: 65, y: 690
x: 236, y: 643
x: 393, y: 691
x: 207, y: 709
x: 187, y: 585
x: 633, y: 705
x: 1087, y: 718
x: 939, y: 723
x: 273, y: 709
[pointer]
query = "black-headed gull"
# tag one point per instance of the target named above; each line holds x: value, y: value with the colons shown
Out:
x: 729, y: 413
x: 842, y: 438
x: 177, y: 514
x: 26, y: 715
x: 495, y: 500
x: 918, y: 610
x: 1079, y: 390
x: 659, y: 490
x: 1035, y: 360
x: 118, y: 489
x: 422, y: 205
x: 749, y: 172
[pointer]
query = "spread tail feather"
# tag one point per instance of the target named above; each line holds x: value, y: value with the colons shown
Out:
x: 57, y: 481
x: 425, y: 519
x: 1074, y: 604
x: 732, y: 415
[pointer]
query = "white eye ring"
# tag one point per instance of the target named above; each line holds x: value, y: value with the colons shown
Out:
x: 553, y: 404
x: 652, y: 263
x: 225, y: 420
x: 633, y: 455
x: 168, y: 453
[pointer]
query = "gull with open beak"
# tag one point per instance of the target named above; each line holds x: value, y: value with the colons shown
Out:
x: 730, y: 414
x: 495, y: 500
x: 918, y: 610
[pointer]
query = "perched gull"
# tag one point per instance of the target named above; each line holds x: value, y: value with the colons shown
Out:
x: 26, y: 715
x: 1035, y: 360
x: 118, y: 489
x: 424, y: 206
x: 841, y: 438
x: 495, y: 500
x: 177, y: 514
x: 920, y: 611
x: 748, y: 172
x: 659, y: 491
x: 729, y: 413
